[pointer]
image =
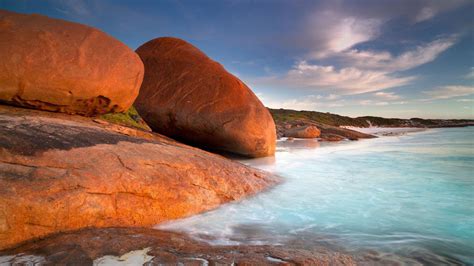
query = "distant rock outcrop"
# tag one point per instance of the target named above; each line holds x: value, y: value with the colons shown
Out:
x: 327, y: 133
x: 55, y: 65
x: 304, y: 132
x: 60, y: 172
x: 330, y: 133
x: 189, y: 97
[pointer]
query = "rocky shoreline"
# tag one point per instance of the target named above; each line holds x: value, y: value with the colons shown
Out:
x: 156, y: 247
x: 284, y: 116
x: 334, y: 127
x: 68, y: 177
x: 61, y: 172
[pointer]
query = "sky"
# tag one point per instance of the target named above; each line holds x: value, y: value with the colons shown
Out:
x: 406, y: 58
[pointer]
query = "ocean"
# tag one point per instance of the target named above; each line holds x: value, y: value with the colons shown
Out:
x: 407, y: 198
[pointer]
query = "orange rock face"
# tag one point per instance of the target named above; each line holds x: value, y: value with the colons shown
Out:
x: 55, y: 65
x: 303, y: 132
x: 188, y: 96
x: 60, y: 173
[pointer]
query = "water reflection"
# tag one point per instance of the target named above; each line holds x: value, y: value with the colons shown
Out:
x: 298, y: 144
x: 284, y: 145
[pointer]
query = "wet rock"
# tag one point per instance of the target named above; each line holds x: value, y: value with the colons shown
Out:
x: 165, y: 248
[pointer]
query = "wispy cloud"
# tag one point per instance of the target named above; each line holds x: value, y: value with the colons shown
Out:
x: 318, y: 102
x: 387, y: 95
x: 470, y: 75
x: 72, y: 7
x: 447, y: 92
x: 380, y: 103
x: 333, y: 65
x: 343, y: 81
x: 432, y: 8
x: 385, y: 61
x: 310, y: 102
x: 332, y: 32
x: 364, y: 71
x: 338, y: 25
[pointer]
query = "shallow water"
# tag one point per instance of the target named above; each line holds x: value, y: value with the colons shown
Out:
x: 411, y: 195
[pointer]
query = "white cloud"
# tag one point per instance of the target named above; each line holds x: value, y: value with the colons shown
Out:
x: 379, y: 103
x: 371, y: 102
x: 470, y: 75
x: 310, y: 102
x: 344, y: 81
x: 338, y: 26
x: 332, y: 32
x: 313, y: 102
x: 386, y: 95
x: 73, y: 7
x: 425, y: 14
x: 451, y: 91
x: 332, y: 97
x: 331, y: 64
x: 431, y: 8
x: 365, y: 71
x: 465, y: 100
x: 387, y: 62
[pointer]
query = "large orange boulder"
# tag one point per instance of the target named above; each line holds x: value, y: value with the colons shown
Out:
x: 188, y: 96
x: 56, y: 65
x: 60, y: 172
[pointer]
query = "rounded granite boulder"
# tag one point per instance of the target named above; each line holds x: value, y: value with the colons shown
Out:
x: 56, y: 65
x: 304, y: 132
x: 189, y: 97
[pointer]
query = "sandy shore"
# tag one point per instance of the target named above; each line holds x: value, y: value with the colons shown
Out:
x: 386, y: 131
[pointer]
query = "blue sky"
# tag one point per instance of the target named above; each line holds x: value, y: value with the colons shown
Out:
x: 407, y: 58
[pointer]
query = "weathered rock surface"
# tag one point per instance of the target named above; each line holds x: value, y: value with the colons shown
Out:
x: 304, y: 132
x: 56, y: 65
x: 60, y: 172
x: 188, y: 96
x: 163, y: 248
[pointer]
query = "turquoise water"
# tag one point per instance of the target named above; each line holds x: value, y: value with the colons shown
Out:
x: 411, y: 196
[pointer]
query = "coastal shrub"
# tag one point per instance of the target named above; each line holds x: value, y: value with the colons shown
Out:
x: 130, y: 118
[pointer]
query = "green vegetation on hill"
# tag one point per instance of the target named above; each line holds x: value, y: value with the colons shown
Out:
x: 130, y: 118
x: 285, y: 115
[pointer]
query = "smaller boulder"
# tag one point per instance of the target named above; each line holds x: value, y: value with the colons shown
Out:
x: 305, y: 132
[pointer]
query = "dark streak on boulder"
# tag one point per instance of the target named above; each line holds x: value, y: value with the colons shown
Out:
x: 32, y: 139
